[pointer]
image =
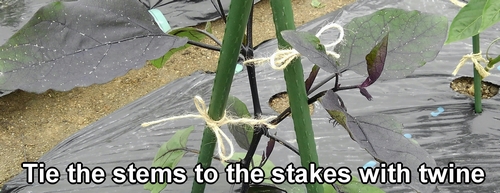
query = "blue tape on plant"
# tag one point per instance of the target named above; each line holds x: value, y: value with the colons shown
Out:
x: 498, y: 67
x: 407, y: 135
x: 239, y: 68
x: 160, y: 19
x: 370, y: 164
x: 439, y: 111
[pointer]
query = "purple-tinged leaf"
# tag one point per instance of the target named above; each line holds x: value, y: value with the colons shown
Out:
x: 309, y: 45
x: 269, y: 150
x: 380, y: 135
x: 365, y: 93
x: 375, y: 61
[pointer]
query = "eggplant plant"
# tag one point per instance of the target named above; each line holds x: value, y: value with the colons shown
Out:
x: 92, y: 36
x: 472, y: 19
x: 387, y: 44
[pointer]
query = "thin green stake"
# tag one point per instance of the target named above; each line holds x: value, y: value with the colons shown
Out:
x: 478, y: 107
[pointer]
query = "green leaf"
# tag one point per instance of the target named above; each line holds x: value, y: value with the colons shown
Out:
x: 316, y: 4
x: 208, y: 27
x: 467, y: 22
x: 380, y: 136
x: 309, y: 46
x: 169, y: 155
x: 416, y: 38
x: 338, y: 116
x: 267, y: 167
x: 356, y: 186
x: 242, y: 133
x: 491, y: 14
x: 188, y: 32
x: 328, y: 188
x: 79, y: 43
x: 264, y: 188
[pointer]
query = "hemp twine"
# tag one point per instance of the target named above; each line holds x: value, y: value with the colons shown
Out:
x: 215, y: 125
x: 282, y: 58
x: 476, y: 59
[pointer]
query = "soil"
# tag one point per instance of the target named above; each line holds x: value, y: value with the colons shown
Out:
x: 465, y: 85
x: 31, y: 124
x: 279, y: 103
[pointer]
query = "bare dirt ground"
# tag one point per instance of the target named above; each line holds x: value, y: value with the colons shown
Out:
x: 32, y: 124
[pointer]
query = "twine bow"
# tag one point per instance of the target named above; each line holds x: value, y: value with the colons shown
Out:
x: 215, y: 125
x: 476, y: 59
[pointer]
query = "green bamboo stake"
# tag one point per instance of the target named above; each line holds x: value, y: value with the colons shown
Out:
x: 477, y: 77
x: 239, y: 12
x: 294, y: 77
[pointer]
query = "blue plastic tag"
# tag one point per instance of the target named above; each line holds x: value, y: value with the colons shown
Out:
x: 160, y: 19
x: 239, y: 68
x: 370, y: 164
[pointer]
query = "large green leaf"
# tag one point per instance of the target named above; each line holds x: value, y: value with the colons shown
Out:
x: 267, y: 167
x: 380, y: 136
x: 169, y: 155
x: 242, y: 133
x: 416, y: 38
x: 467, y: 22
x: 79, y: 43
x: 491, y: 14
x: 188, y: 32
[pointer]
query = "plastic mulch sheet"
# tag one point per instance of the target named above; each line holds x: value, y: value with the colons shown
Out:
x: 455, y: 135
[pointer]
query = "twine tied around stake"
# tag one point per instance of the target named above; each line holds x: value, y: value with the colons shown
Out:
x: 476, y: 59
x: 215, y: 125
x: 282, y: 58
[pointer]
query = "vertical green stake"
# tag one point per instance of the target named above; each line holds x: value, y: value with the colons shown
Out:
x: 477, y: 77
x: 239, y: 12
x: 294, y: 77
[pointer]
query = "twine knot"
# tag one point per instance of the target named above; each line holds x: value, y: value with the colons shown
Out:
x: 215, y: 125
x: 282, y: 58
x: 476, y: 59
